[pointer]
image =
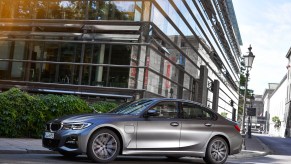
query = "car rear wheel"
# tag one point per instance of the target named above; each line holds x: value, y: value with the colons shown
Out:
x: 103, y: 146
x: 217, y: 151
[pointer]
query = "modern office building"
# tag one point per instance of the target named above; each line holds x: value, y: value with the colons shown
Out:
x: 123, y: 49
x: 287, y: 114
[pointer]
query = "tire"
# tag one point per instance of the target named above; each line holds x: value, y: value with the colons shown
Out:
x: 217, y: 151
x: 103, y: 146
x: 68, y: 154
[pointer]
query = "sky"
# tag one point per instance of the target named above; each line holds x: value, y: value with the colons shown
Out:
x: 266, y: 26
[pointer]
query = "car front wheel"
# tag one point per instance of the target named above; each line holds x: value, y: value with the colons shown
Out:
x: 103, y: 146
x: 217, y: 151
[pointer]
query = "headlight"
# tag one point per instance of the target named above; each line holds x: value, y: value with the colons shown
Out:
x: 75, y: 125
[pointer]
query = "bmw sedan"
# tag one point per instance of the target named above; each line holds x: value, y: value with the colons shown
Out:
x: 157, y: 126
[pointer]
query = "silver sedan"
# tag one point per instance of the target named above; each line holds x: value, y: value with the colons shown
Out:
x: 157, y: 126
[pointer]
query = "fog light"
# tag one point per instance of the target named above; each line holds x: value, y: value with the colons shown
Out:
x: 72, y: 142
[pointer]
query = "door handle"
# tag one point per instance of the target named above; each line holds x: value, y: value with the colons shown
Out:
x: 174, y: 124
x: 208, y: 124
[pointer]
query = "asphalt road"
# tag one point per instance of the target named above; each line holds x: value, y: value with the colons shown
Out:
x: 279, y: 146
x: 56, y: 158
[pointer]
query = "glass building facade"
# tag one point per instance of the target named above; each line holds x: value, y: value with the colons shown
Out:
x: 121, y: 49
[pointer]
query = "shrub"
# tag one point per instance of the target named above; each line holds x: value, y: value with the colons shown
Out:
x: 103, y: 106
x: 63, y: 105
x: 21, y: 115
x: 24, y: 115
x: 277, y: 121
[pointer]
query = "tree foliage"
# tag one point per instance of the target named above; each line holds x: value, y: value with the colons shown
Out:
x: 241, y: 95
x: 277, y: 121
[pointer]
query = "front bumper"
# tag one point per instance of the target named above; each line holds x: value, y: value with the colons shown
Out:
x: 74, y: 141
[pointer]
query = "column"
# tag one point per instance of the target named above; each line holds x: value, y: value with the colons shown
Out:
x: 215, y: 91
x: 202, y: 90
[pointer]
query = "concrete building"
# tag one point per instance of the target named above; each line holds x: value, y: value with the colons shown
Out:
x: 123, y: 49
x: 288, y: 96
x: 277, y: 109
x: 266, y: 101
x: 259, y: 121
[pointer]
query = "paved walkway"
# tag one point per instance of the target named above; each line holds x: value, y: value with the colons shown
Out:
x: 253, y: 147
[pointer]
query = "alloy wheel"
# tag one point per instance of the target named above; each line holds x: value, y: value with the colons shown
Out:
x: 218, y: 150
x: 104, y: 146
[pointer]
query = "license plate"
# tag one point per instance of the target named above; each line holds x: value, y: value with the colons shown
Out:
x: 49, y: 135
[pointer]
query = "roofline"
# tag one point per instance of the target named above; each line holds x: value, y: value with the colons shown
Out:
x: 234, y: 21
x: 281, y: 82
x: 288, y: 53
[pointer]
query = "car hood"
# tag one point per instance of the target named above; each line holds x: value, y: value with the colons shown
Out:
x: 91, y: 117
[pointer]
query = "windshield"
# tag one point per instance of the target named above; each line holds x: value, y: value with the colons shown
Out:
x: 134, y: 108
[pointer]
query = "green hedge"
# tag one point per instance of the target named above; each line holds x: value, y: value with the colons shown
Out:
x: 24, y: 115
x: 21, y: 115
x: 103, y: 106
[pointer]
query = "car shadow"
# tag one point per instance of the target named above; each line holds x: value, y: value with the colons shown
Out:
x: 130, y: 159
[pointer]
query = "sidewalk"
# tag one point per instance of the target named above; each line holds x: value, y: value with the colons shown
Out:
x: 253, y: 147
x: 22, y: 146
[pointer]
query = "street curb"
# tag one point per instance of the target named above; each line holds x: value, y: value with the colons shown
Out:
x: 268, y: 150
x: 27, y: 152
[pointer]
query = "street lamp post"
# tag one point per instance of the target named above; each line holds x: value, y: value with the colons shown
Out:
x: 252, y: 98
x: 248, y: 64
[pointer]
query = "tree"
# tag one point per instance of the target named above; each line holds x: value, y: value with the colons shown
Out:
x: 241, y: 94
x: 277, y: 122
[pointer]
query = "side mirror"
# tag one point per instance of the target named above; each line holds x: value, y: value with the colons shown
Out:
x: 152, y: 112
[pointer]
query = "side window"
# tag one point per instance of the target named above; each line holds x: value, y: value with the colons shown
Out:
x: 166, y: 109
x: 192, y: 111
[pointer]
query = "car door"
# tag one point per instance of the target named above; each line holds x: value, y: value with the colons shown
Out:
x: 197, y: 126
x: 162, y: 131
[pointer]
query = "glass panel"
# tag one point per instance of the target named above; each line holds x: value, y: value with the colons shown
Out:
x: 95, y: 76
x: 68, y: 75
x: 118, y: 77
x: 6, y: 8
x: 98, y: 10
x: 133, y: 71
x: 70, y: 52
x: 173, y: 91
x: 66, y: 10
x: 50, y: 52
x: 166, y: 109
x: 4, y: 51
x: 71, y: 9
x: 121, y: 10
x: 19, y: 54
x: 168, y: 72
x: 48, y: 73
x: 120, y: 54
x: 140, y: 78
x: 112, y: 10
x: 155, y: 61
x: 191, y: 111
x: 153, y: 82
x: 17, y: 71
